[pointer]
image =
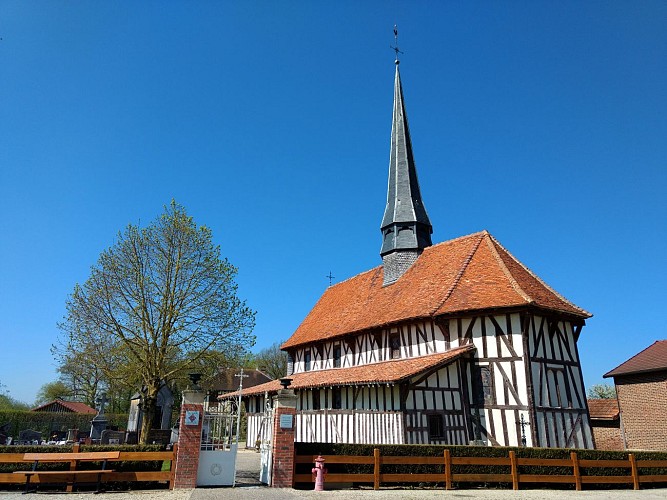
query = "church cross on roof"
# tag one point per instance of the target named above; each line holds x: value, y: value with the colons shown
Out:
x: 406, y: 228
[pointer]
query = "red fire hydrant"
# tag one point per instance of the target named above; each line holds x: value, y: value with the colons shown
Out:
x: 319, y: 473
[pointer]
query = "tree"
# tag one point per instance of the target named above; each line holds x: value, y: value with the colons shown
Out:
x: 53, y: 390
x: 160, y: 302
x: 272, y: 361
x: 601, y: 391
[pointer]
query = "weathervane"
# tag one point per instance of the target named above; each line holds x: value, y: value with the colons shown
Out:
x: 395, y: 46
x: 330, y: 276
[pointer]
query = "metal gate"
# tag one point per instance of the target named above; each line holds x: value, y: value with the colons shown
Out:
x: 219, y: 444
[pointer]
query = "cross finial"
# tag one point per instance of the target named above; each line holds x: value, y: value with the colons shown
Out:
x: 395, y: 46
x: 330, y: 276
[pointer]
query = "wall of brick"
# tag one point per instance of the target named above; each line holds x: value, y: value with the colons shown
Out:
x: 283, y: 441
x: 643, y: 402
x: 187, y: 455
x: 607, y: 438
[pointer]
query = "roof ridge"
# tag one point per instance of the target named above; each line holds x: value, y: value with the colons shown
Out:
x: 536, y: 277
x: 606, y: 375
x: 462, y: 270
x: 506, y: 271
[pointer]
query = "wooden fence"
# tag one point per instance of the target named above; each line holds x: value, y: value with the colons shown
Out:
x: 122, y: 476
x: 512, y: 463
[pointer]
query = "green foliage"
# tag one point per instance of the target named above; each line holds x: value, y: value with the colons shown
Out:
x: 8, y: 403
x: 601, y: 391
x: 48, y: 422
x: 159, y: 303
x: 51, y: 391
x: 271, y: 361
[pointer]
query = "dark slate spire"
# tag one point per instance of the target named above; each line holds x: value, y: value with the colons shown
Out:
x: 406, y: 228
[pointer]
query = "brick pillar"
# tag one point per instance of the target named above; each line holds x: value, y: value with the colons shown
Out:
x: 189, y: 437
x: 284, y: 404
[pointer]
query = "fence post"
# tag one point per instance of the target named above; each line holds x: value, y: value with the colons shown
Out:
x: 575, y: 468
x: 515, y: 470
x: 448, y: 470
x: 76, y: 448
x: 376, y: 469
x: 172, y: 466
x: 635, y: 471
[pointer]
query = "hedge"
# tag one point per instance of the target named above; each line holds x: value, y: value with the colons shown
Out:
x: 49, y: 422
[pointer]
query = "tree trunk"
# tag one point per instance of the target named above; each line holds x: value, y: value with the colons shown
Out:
x: 149, y: 408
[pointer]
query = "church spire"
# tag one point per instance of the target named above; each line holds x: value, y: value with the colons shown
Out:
x: 406, y: 228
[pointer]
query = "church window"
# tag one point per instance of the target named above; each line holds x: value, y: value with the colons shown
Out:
x: 482, y: 386
x: 306, y: 360
x: 395, y: 346
x: 435, y: 427
x: 336, y: 356
x: 336, y: 397
x: 316, y: 399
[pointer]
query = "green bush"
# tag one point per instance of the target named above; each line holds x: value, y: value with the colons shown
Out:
x: 48, y: 422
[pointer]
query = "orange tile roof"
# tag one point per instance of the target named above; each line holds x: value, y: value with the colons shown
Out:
x: 469, y: 273
x: 603, y: 409
x: 66, y: 407
x: 385, y: 372
x: 651, y: 359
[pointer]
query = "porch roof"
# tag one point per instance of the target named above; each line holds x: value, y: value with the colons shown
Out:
x: 385, y: 372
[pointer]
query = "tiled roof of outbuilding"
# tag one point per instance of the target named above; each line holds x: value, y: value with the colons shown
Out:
x: 651, y: 359
x: 469, y: 273
x: 603, y: 409
x: 385, y: 372
x: 60, y: 406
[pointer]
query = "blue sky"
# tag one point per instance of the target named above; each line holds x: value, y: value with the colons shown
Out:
x: 543, y: 122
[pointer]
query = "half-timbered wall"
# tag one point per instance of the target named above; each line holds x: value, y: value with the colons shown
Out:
x: 561, y: 411
x: 345, y: 426
x: 495, y: 380
x: 418, y: 339
x: 435, y: 409
x: 524, y: 382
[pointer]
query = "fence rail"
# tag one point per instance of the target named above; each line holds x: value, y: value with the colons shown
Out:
x: 511, y: 462
x: 122, y: 476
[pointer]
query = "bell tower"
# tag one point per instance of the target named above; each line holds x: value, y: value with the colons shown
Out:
x: 406, y: 228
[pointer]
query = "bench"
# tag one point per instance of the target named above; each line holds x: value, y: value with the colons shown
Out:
x: 73, y: 459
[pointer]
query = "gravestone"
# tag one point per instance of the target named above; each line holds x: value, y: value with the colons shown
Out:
x: 159, y: 436
x: 4, y: 433
x: 100, y: 422
x: 29, y: 436
x: 112, y: 437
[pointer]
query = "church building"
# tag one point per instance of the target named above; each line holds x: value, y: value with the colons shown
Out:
x: 453, y: 343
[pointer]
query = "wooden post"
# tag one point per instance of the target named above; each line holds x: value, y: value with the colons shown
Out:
x: 635, y: 471
x: 575, y: 469
x: 376, y: 469
x: 448, y: 470
x: 76, y: 448
x: 172, y: 466
x: 515, y: 470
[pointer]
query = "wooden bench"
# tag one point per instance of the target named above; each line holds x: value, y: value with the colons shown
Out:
x: 73, y: 459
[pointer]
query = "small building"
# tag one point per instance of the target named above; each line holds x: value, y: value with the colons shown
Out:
x: 606, y: 424
x: 228, y: 379
x: 62, y: 406
x: 641, y: 388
